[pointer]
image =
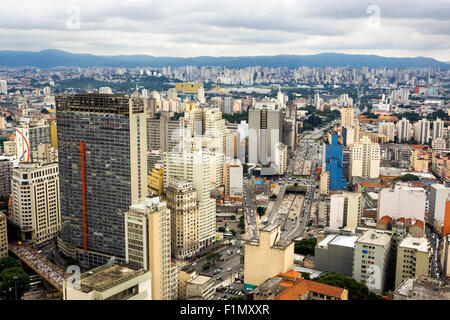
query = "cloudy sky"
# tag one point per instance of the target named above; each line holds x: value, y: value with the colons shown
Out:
x: 401, y: 28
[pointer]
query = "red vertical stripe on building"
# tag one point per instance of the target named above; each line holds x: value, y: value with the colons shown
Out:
x: 83, y: 194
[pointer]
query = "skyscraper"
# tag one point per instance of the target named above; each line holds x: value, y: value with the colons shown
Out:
x: 333, y: 164
x: 403, y: 130
x: 388, y: 129
x: 3, y: 87
x: 347, y: 117
x: 182, y: 202
x: 148, y: 232
x: 3, y: 236
x: 102, y: 142
x: 264, y: 133
x: 438, y: 128
x: 422, y: 131
x: 194, y: 165
x: 365, y: 159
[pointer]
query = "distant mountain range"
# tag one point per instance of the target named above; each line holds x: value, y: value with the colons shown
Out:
x: 58, y: 58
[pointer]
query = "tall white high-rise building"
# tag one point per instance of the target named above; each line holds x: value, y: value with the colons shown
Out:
x: 437, y: 200
x: 388, y: 129
x: 422, y: 131
x: 228, y: 104
x: 317, y: 101
x: 281, y: 157
x: 201, y: 95
x: 3, y: 87
x: 148, y: 245
x: 194, y: 165
x: 264, y: 133
x: 404, y: 128
x: 438, y: 128
x: 365, y: 159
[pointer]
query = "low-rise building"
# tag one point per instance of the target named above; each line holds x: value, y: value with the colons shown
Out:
x: 184, y: 275
x: 335, y: 254
x: 107, y: 282
x: 291, y: 286
x: 266, y: 257
x: 423, y: 288
x: 201, y: 287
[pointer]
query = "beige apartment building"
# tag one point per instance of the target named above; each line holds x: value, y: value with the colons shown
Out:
x: 193, y: 165
x: 325, y: 183
x: 347, y: 117
x: 414, y: 257
x: 147, y: 245
x: 9, y: 148
x: 371, y: 259
x: 184, y: 275
x: 266, y: 257
x: 182, y: 202
x: 200, y: 288
x: 365, y: 159
x: 3, y: 236
x: 233, y: 178
x: 36, y: 201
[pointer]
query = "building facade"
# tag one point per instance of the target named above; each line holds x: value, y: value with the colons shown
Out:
x: 36, y: 202
x: 102, y: 146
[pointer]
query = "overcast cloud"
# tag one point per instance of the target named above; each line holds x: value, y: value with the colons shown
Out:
x: 228, y: 27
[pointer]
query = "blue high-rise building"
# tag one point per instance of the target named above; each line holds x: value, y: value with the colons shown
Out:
x: 333, y: 163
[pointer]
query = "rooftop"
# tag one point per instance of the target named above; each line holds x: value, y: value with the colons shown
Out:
x: 344, y: 241
x: 107, y: 277
x: 302, y: 286
x: 200, y: 280
x: 420, y: 244
x: 375, y: 238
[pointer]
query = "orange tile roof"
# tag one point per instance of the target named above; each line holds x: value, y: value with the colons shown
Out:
x: 290, y: 273
x: 286, y: 284
x: 371, y: 185
x: 419, y: 223
x: 401, y: 219
x: 385, y: 219
x: 302, y: 286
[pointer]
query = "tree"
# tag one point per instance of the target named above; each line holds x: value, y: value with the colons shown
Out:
x: 14, y: 283
x: 8, y: 262
x: 241, y: 223
x: 221, y: 229
x: 305, y: 246
x: 409, y: 177
x: 261, y: 211
x: 206, y: 266
x: 214, y: 257
x: 356, y: 290
x: 233, y: 232
x: 245, y: 168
